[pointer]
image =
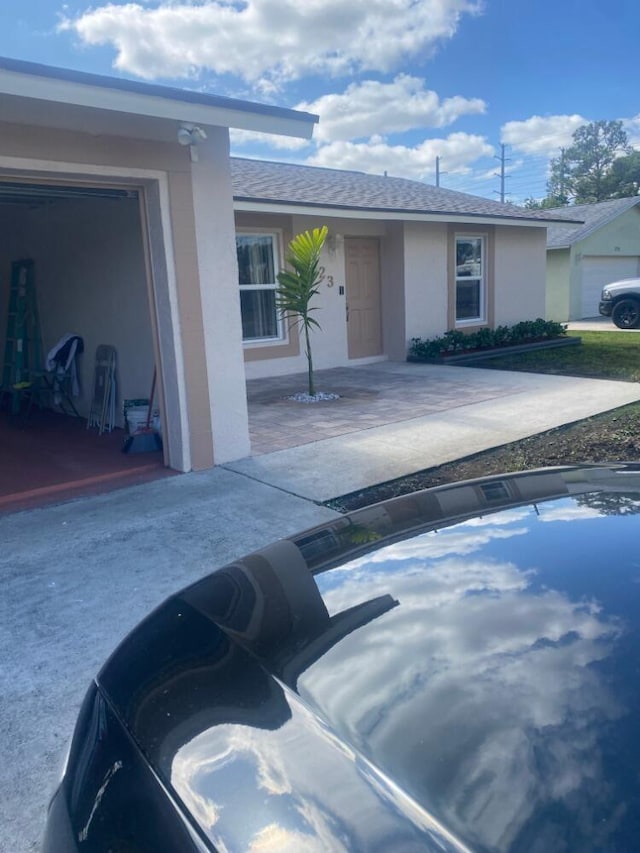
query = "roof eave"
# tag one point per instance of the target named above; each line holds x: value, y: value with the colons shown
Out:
x: 55, y: 85
x: 257, y: 205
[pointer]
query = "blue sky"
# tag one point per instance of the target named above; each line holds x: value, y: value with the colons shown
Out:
x: 396, y: 82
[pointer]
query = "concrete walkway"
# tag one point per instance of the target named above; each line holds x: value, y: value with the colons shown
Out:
x: 596, y: 324
x: 77, y: 576
x: 460, y: 411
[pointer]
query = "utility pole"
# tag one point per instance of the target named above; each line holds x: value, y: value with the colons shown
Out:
x: 438, y: 172
x: 562, y: 174
x: 502, y: 175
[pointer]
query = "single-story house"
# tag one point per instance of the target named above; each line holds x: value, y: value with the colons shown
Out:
x: 403, y: 259
x: 582, y: 258
x: 145, y: 235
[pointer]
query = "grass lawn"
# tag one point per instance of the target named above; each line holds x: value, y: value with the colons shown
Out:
x: 602, y: 355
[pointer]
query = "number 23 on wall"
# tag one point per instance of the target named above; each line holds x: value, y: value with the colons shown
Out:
x: 323, y: 277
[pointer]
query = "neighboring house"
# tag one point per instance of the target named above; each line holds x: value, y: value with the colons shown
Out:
x: 402, y: 260
x: 582, y: 258
x: 131, y: 232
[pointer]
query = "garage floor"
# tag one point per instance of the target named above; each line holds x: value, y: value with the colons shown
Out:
x: 50, y: 457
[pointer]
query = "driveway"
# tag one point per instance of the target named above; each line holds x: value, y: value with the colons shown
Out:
x: 411, y: 417
x: 76, y: 577
x: 596, y: 324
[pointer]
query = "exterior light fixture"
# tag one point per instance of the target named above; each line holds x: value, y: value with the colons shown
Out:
x: 191, y: 135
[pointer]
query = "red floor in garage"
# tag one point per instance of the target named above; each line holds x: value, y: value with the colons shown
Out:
x: 50, y: 457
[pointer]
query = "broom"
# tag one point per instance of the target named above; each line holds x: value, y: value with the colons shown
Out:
x: 146, y: 439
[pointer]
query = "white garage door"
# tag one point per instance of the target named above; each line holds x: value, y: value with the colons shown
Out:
x: 598, y: 271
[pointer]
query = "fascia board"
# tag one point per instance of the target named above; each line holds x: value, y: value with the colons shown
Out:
x: 44, y: 88
x: 363, y: 213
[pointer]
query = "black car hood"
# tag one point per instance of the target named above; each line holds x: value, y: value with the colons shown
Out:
x: 457, y: 669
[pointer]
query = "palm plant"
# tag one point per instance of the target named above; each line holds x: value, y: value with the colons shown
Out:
x: 299, y: 284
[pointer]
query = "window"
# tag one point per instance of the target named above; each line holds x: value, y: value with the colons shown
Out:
x: 258, y: 266
x: 470, y: 280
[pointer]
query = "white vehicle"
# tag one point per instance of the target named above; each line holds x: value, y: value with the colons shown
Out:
x: 620, y: 300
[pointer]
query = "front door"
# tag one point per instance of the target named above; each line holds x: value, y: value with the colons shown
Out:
x: 364, y: 326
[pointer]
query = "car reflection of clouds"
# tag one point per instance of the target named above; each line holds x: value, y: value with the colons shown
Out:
x: 259, y: 761
x: 276, y: 839
x: 465, y: 538
x: 501, y: 673
x: 566, y: 511
x: 287, y: 791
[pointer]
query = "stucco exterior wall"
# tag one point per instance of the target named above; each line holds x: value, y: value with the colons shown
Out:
x: 329, y: 345
x: 222, y: 388
x: 618, y: 238
x: 520, y: 274
x: 425, y: 264
x: 392, y: 272
x: 558, y: 292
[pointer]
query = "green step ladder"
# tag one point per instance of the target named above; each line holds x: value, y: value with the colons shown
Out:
x: 22, y: 347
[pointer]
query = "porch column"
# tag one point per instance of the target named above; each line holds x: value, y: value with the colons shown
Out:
x: 220, y: 297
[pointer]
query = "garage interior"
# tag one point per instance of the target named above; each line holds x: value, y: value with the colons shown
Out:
x: 88, y: 277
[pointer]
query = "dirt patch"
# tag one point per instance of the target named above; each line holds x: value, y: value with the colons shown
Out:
x: 611, y: 437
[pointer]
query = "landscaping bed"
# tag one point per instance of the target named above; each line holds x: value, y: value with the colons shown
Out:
x: 468, y: 357
x: 456, y: 345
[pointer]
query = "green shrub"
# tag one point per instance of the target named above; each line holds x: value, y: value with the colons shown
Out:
x: 455, y: 341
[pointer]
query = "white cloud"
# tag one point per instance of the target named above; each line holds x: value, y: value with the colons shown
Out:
x: 541, y: 135
x: 457, y: 152
x: 371, y: 107
x: 262, y: 40
x: 632, y: 127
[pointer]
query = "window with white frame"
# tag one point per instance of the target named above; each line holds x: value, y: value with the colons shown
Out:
x: 258, y: 265
x: 470, y: 279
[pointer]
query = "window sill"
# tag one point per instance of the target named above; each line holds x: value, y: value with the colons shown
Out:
x: 264, y: 342
x: 475, y: 322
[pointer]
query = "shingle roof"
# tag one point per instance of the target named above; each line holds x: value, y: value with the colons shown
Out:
x: 285, y: 183
x: 594, y: 215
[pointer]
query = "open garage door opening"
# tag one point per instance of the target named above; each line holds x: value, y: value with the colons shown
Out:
x: 74, y: 267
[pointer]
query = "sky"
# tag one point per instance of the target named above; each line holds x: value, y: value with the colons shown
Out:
x: 396, y: 83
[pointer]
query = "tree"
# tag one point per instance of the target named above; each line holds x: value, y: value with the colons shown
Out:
x: 582, y: 172
x: 544, y: 203
x: 624, y: 176
x: 299, y: 284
